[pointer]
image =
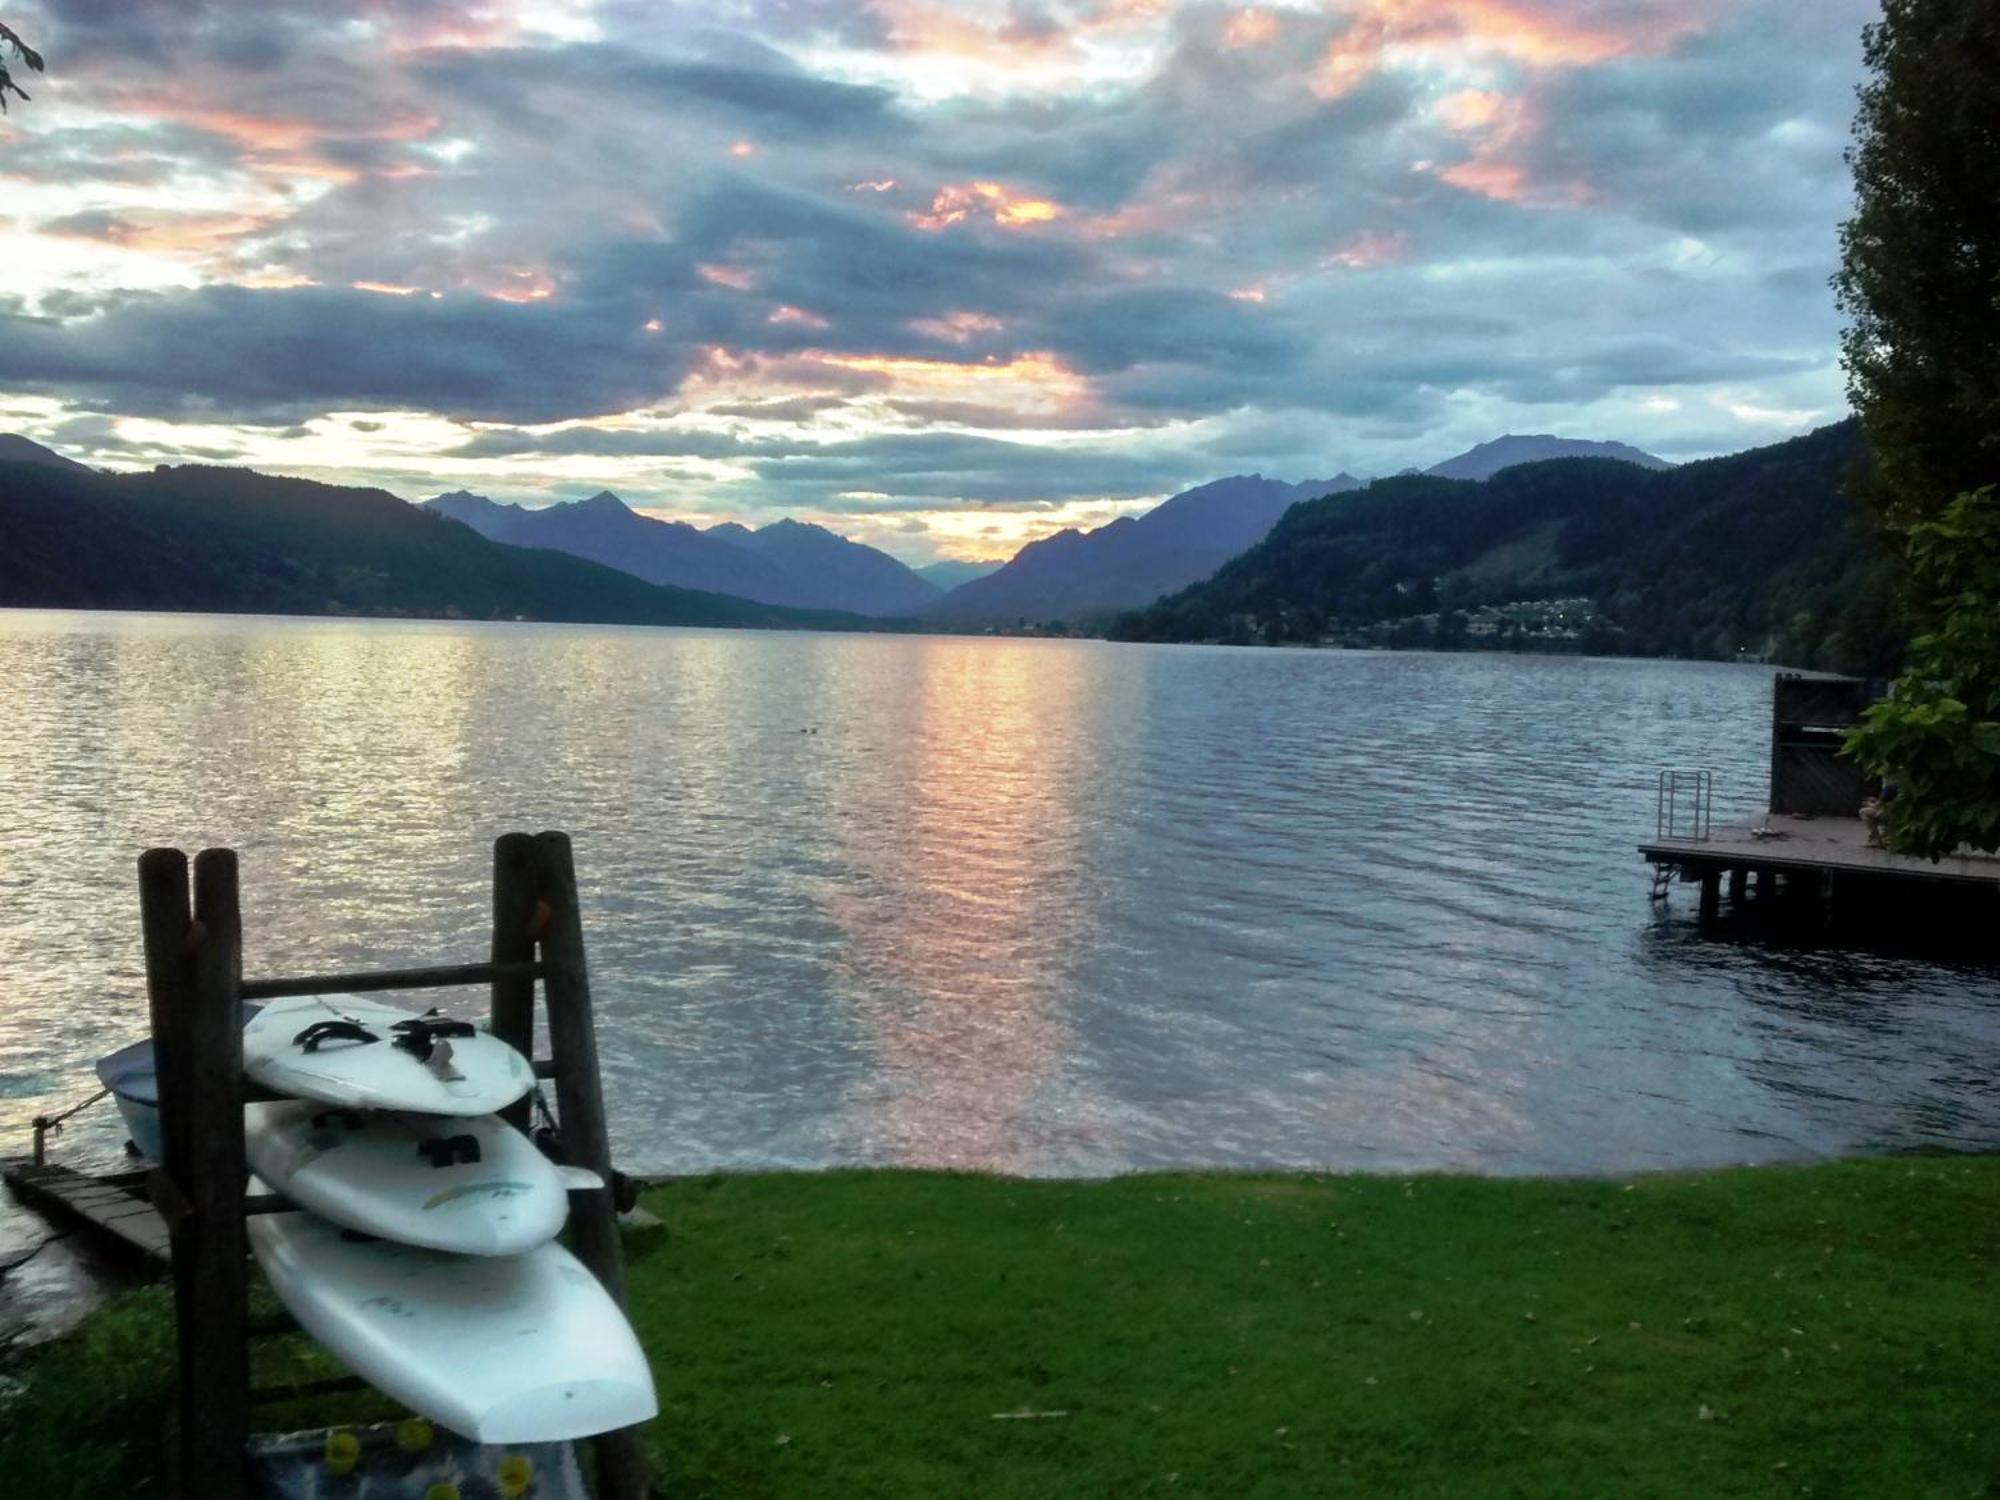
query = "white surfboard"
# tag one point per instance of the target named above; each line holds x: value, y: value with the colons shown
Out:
x: 348, y: 1049
x: 500, y: 1349
x: 472, y: 1186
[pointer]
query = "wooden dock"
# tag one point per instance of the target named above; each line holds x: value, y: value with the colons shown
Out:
x: 1794, y: 851
x: 114, y: 1207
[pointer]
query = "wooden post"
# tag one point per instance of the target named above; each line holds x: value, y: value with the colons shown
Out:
x: 165, y: 918
x: 621, y: 1455
x: 1738, y: 881
x: 193, y: 972
x: 1711, y: 894
x: 514, y: 900
x: 215, y: 1424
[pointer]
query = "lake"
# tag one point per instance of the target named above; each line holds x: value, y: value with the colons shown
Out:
x: 1032, y: 906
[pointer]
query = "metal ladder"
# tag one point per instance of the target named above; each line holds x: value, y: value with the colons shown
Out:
x: 1684, y: 810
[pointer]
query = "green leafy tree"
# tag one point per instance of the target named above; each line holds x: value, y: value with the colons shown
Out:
x: 1919, y: 276
x: 1938, y: 738
x: 1920, y: 283
x: 27, y: 56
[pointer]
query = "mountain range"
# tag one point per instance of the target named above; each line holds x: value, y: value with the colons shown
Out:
x: 237, y: 541
x: 1761, y: 553
x: 789, y: 563
x: 1585, y: 546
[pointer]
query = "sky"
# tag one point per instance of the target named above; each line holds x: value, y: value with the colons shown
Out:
x: 944, y: 277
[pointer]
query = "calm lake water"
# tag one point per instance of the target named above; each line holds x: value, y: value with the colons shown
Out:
x: 1035, y: 906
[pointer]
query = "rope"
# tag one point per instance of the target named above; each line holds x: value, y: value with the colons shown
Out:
x: 54, y: 1122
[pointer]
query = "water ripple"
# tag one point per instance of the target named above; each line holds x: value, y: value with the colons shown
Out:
x: 1035, y: 906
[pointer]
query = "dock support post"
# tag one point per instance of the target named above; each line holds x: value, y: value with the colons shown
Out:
x: 621, y: 1455
x: 193, y: 975
x: 1711, y: 894
x: 513, y: 1018
x: 216, y: 1438
x: 1738, y: 881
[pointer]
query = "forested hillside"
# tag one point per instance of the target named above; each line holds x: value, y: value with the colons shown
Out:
x: 237, y: 541
x: 1759, y: 553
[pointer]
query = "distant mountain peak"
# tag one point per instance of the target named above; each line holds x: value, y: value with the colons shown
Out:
x: 603, y: 503
x: 1132, y: 560
x: 1484, y: 460
x: 15, y: 449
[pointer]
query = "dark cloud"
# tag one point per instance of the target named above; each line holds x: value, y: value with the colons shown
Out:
x: 250, y: 354
x: 775, y: 98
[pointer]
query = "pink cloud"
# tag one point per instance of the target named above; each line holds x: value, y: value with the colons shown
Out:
x: 1532, y: 33
x: 1371, y: 247
x: 736, y: 278
x: 956, y: 328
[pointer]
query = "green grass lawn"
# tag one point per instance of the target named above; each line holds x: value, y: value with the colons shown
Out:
x: 1826, y: 1330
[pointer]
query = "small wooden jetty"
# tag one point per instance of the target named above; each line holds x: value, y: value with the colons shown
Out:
x: 116, y: 1207
x: 1813, y: 842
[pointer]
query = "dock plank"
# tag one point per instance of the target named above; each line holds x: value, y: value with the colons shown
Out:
x: 1807, y: 844
x: 108, y: 1208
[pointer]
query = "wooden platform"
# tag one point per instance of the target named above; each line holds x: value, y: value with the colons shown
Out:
x: 110, y: 1206
x: 1837, y: 846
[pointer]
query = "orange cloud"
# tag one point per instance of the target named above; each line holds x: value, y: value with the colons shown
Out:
x: 878, y: 185
x: 1534, y: 33
x: 1249, y: 28
x: 1501, y: 129
x: 957, y: 202
x: 1033, y: 383
x: 1471, y: 109
x: 799, y: 316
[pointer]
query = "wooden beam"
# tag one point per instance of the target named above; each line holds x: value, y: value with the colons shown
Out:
x: 621, y: 1455
x: 513, y: 949
x: 211, y: 1242
x: 435, y: 977
x: 165, y: 920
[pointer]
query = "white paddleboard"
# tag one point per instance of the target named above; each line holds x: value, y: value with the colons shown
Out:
x: 500, y: 1349
x: 348, y: 1049
x: 473, y: 1186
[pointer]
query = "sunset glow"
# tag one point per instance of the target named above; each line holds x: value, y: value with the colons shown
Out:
x: 939, y: 277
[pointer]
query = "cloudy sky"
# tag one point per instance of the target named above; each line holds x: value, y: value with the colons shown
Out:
x: 943, y: 276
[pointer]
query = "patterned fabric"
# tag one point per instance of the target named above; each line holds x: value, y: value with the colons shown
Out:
x: 409, y: 1460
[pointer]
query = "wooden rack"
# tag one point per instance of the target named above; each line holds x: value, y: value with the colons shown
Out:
x: 195, y: 986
